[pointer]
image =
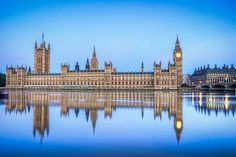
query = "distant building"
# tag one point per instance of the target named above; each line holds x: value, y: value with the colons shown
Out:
x: 187, y: 80
x: 206, y: 76
x: 92, y: 76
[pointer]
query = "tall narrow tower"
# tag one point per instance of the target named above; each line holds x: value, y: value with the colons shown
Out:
x: 42, y: 58
x: 94, y: 61
x: 178, y: 59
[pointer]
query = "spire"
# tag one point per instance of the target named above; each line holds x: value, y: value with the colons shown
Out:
x: 43, y: 46
x: 42, y: 36
x: 177, y: 41
x: 142, y: 67
x: 94, y: 51
x: 94, y: 61
x: 177, y: 45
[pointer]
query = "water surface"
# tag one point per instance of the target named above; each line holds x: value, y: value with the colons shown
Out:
x: 62, y: 123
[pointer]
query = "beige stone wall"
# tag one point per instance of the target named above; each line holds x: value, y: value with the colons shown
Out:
x: 100, y: 80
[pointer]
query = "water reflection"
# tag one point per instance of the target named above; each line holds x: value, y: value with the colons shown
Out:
x: 208, y: 103
x: 90, y: 103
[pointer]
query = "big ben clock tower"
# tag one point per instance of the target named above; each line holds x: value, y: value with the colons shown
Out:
x: 178, y: 59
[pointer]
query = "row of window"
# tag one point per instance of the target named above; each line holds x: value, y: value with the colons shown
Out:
x: 168, y: 82
x: 91, y: 83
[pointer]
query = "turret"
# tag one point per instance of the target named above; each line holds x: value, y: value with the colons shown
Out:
x: 35, y: 45
x: 224, y: 67
x: 65, y: 68
x: 109, y: 67
x: 142, y: 68
x: 29, y: 69
x: 77, y: 67
x: 157, y: 67
x: 87, y: 66
x: 232, y: 66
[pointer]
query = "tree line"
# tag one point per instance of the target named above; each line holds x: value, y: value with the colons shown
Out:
x: 2, y: 80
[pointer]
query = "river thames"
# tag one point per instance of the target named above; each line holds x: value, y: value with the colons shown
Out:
x: 115, y: 123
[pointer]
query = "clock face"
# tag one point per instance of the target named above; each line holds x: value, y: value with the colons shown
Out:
x: 178, y: 55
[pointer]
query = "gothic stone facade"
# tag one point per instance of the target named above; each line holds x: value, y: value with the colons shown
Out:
x: 92, y: 77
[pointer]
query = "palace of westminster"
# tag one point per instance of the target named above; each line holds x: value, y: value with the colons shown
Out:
x: 92, y: 77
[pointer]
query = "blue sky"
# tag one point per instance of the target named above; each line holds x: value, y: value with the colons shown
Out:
x: 125, y: 32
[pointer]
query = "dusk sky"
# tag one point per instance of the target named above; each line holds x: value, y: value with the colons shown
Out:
x: 125, y: 32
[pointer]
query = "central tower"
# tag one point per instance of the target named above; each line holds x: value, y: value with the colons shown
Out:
x: 94, y: 61
x: 42, y: 58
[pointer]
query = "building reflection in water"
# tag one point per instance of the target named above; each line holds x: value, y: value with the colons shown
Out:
x: 91, y: 102
x: 208, y: 103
